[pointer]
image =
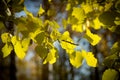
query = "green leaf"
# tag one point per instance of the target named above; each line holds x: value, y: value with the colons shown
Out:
x: 117, y: 5
x: 79, y: 14
x: 108, y: 6
x: 51, y: 12
x: 6, y: 37
x: 76, y: 59
x: 21, y: 27
x: 18, y: 47
x: 117, y: 21
x: 40, y: 37
x: 109, y: 61
x: 18, y: 5
x: 41, y: 51
x: 110, y: 74
x: 90, y: 59
x: 107, y: 18
x: 92, y: 38
x: 51, y: 57
x: 1, y: 25
x: 115, y: 48
x: 7, y: 49
x: 32, y: 22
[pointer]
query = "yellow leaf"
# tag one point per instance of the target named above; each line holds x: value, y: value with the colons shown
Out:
x: 76, y: 59
x: 68, y: 7
x: 79, y: 14
x: 55, y: 34
x: 92, y: 38
x: 90, y: 59
x: 32, y: 35
x: 108, y: 6
x: 25, y: 44
x: 77, y: 27
x: 19, y: 50
x: 67, y: 43
x: 67, y: 46
x: 97, y: 23
x: 51, y: 57
x: 41, y: 10
x: 18, y: 47
x: 87, y: 8
x: 6, y: 37
x: 7, y: 49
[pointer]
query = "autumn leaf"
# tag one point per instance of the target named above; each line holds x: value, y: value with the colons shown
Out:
x: 67, y: 43
x: 51, y: 57
x: 7, y: 48
x: 90, y: 59
x: 76, y: 59
x: 92, y: 38
x: 19, y: 50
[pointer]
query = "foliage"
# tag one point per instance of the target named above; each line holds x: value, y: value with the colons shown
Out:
x: 113, y: 75
x: 84, y: 16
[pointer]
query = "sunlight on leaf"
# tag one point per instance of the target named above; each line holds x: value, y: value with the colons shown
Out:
x: 67, y: 43
x: 90, y: 59
x: 33, y: 35
x: 7, y: 49
x: 51, y: 57
x: 25, y: 44
x: 79, y: 14
x: 55, y: 34
x: 92, y: 38
x: 41, y: 10
x: 77, y: 27
x: 18, y: 47
x: 87, y: 8
x: 76, y: 59
x: 97, y: 23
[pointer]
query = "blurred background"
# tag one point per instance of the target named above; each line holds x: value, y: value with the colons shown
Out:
x: 31, y: 68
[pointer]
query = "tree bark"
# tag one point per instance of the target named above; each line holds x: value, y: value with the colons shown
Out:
x: 12, y: 66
